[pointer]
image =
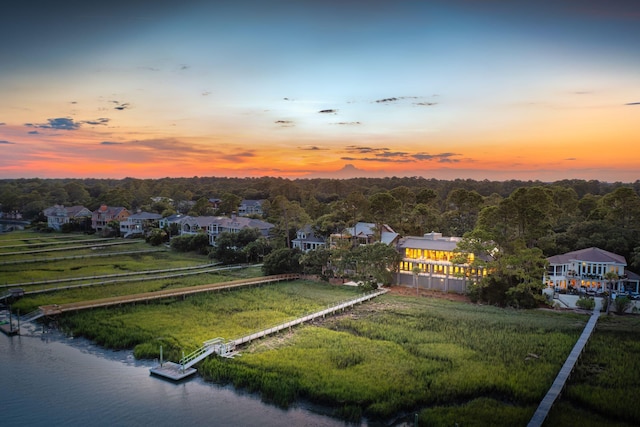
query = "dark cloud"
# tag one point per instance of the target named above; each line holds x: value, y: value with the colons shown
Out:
x: 363, y: 150
x: 120, y: 105
x: 6, y: 142
x: 426, y: 104
x: 60, y: 123
x: 633, y: 103
x: 2, y: 124
x: 347, y: 123
x: 97, y: 122
x: 328, y: 111
x: 571, y: 158
x: 392, y: 154
x: 33, y: 132
x: 284, y: 123
x: 387, y: 100
x: 442, y: 157
x: 110, y: 143
x: 239, y: 157
x: 184, y: 67
x: 385, y: 155
x: 66, y: 123
x: 311, y: 148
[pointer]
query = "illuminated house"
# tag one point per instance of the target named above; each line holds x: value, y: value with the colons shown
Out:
x: 433, y: 255
x: 585, y: 270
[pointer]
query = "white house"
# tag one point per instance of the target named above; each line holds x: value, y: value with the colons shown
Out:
x: 433, y: 255
x: 364, y: 233
x: 250, y: 207
x: 306, y: 240
x: 234, y: 224
x: 58, y: 215
x: 585, y: 270
x: 138, y: 222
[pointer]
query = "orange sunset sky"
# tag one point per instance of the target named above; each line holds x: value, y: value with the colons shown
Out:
x: 494, y: 89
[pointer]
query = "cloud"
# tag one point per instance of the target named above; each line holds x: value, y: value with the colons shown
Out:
x: 110, y: 143
x: 328, y: 111
x: 441, y: 158
x: 60, y: 123
x: 387, y: 156
x: 6, y: 142
x: 239, y: 157
x: 120, y: 105
x: 347, y: 123
x: 311, y: 148
x: 33, y: 132
x: 426, y: 104
x: 284, y: 123
x: 633, y: 103
x: 386, y: 100
x: 97, y: 122
x: 66, y: 123
x: 571, y: 158
x: 2, y: 124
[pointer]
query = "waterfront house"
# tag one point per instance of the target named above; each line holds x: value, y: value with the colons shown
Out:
x: 58, y: 215
x: 306, y: 240
x: 105, y: 214
x: 365, y: 233
x: 138, y: 222
x: 250, y: 207
x: 234, y: 224
x: 433, y: 255
x: 584, y: 270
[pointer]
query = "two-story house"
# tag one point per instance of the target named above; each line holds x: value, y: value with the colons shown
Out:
x: 250, y: 207
x: 58, y: 215
x: 234, y: 224
x: 105, y: 214
x: 586, y: 270
x: 427, y: 262
x: 365, y: 233
x: 138, y: 222
x: 306, y: 240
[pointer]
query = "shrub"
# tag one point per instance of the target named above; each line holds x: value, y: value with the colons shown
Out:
x: 621, y: 304
x: 586, y: 303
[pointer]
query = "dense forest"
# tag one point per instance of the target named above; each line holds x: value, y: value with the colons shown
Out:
x: 555, y: 217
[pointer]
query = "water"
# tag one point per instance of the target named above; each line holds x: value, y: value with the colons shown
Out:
x: 49, y: 379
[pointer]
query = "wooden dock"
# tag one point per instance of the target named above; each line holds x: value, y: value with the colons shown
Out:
x: 183, y: 369
x: 558, y: 385
x: 55, y: 309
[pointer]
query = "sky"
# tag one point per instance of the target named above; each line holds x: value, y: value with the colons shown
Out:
x: 481, y: 89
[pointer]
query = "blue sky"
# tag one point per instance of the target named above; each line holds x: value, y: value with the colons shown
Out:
x: 446, y: 89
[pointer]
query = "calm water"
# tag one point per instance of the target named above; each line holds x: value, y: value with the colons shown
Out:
x: 49, y: 379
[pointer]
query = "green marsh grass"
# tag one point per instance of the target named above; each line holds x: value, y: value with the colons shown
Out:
x: 606, y: 382
x: 185, y: 324
x: 399, y: 354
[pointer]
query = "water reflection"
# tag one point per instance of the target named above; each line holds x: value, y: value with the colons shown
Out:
x: 50, y: 379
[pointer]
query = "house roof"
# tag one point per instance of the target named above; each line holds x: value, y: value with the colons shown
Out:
x: 421, y: 242
x: 592, y: 254
x: 145, y: 216
x: 251, y: 203
x: 71, y: 211
x: 110, y: 210
x: 241, y: 222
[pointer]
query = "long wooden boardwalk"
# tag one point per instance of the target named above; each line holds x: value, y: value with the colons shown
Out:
x: 558, y: 385
x: 183, y: 369
x: 55, y: 309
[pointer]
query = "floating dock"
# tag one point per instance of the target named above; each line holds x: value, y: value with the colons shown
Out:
x: 172, y: 371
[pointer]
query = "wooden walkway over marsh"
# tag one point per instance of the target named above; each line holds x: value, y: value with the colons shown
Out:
x: 56, y: 309
x: 183, y: 369
x: 558, y: 385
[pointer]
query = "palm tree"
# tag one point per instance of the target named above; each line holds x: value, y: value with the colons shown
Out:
x: 416, y: 271
x: 611, y: 277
